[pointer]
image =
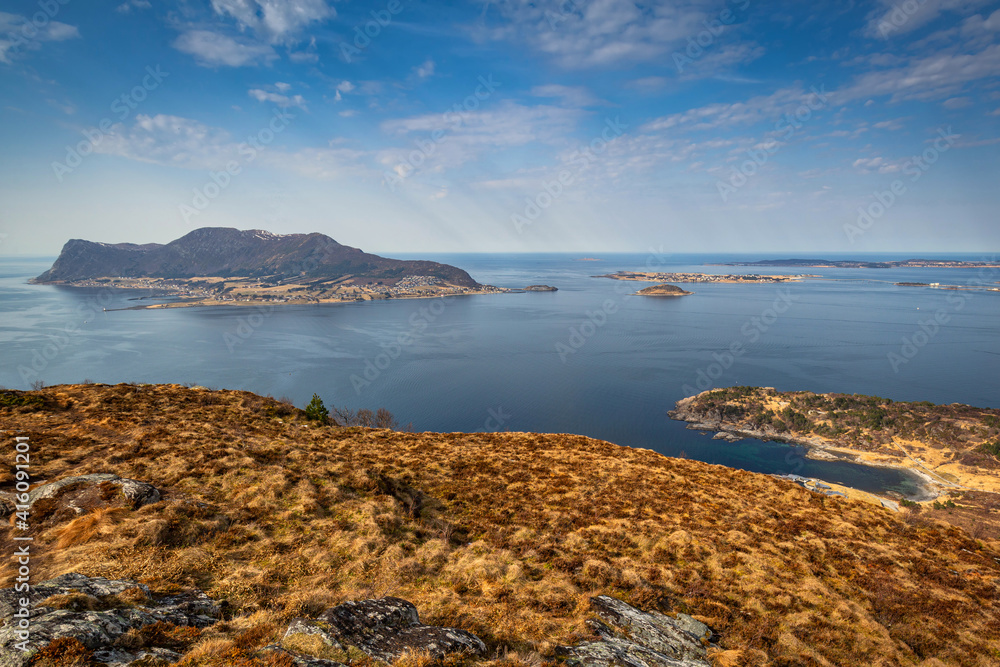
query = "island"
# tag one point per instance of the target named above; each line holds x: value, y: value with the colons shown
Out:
x: 862, y: 264
x: 954, y: 448
x: 654, y: 277
x: 540, y: 288
x: 663, y: 290
x: 224, y: 266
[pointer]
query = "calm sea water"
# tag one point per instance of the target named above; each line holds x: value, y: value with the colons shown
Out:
x: 589, y: 359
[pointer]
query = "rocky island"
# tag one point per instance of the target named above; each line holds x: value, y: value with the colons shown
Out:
x: 224, y: 266
x: 540, y: 288
x: 663, y: 290
x: 175, y: 524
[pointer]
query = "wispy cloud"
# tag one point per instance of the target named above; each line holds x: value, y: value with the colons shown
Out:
x: 599, y: 32
x: 19, y: 33
x: 283, y: 101
x: 213, y: 49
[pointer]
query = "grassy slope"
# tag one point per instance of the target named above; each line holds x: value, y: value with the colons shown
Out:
x: 514, y: 533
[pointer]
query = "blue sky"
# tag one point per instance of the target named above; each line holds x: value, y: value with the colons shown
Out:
x: 581, y: 125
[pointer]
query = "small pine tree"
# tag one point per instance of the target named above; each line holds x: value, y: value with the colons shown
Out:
x: 316, y: 410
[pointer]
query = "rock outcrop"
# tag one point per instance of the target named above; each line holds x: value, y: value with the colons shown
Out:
x: 99, y: 613
x: 136, y: 493
x: 627, y: 637
x: 388, y: 627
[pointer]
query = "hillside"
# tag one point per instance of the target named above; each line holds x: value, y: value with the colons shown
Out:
x: 505, y: 535
x: 226, y: 252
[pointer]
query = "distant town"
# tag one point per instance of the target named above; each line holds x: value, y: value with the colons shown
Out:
x: 208, y: 291
x: 647, y: 276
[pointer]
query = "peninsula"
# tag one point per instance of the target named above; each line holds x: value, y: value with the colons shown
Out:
x: 225, y: 266
x: 860, y: 264
x: 654, y: 277
x: 954, y: 448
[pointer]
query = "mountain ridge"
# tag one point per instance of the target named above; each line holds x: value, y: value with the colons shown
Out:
x: 229, y: 252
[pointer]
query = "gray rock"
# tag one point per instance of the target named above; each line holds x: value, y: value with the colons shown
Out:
x: 388, y: 627
x: 96, y: 629
x: 304, y: 626
x: 299, y: 659
x: 628, y: 637
x: 136, y: 492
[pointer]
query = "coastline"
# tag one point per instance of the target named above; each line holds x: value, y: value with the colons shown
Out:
x: 817, y: 449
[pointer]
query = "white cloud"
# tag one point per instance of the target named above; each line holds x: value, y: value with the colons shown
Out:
x: 928, y: 78
x: 276, y: 21
x: 755, y: 110
x: 277, y: 98
x: 602, y: 32
x: 876, y: 165
x: 189, y: 144
x: 282, y: 86
x: 212, y: 49
x: 425, y: 70
x: 20, y: 33
x: 897, y: 18
x: 127, y: 7
x: 573, y: 96
x: 470, y: 135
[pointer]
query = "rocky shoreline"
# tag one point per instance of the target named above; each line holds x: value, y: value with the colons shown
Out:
x: 818, y: 449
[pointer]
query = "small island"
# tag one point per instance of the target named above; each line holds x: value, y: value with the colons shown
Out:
x: 540, y: 288
x: 654, y: 277
x: 663, y: 290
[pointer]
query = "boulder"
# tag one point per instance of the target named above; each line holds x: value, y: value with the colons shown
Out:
x: 99, y: 617
x: 135, y: 492
x: 298, y: 659
x: 388, y: 627
x: 627, y: 637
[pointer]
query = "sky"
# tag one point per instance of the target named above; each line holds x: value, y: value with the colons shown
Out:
x: 512, y: 126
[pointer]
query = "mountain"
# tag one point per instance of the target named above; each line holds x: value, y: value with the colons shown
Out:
x: 228, y: 252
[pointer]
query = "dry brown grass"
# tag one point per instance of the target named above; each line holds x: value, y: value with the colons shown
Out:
x: 505, y: 535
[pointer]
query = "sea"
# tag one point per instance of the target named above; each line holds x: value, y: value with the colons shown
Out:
x: 591, y: 358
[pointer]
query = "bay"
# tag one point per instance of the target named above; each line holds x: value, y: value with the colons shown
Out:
x: 590, y: 358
